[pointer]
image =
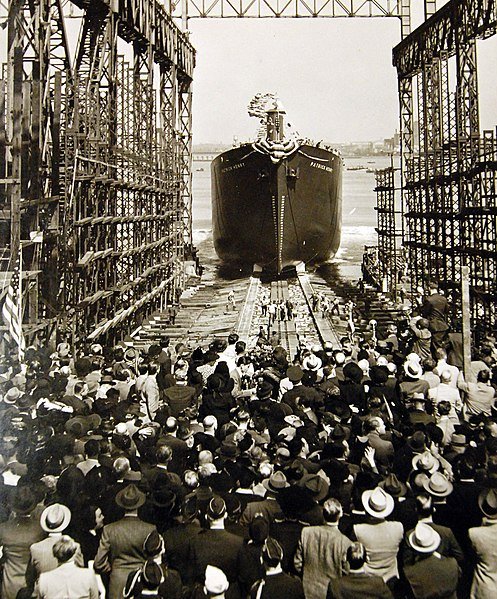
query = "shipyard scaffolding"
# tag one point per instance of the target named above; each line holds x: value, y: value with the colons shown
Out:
x: 449, y: 166
x: 95, y: 164
x: 383, y: 265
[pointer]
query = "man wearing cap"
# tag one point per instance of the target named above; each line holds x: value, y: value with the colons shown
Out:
x: 121, y: 546
x: 215, y: 545
x: 436, y: 309
x: 162, y: 578
x: 483, y: 538
x: 432, y: 575
x: 215, y: 585
x: 54, y: 520
x: 320, y: 551
x: 276, y: 584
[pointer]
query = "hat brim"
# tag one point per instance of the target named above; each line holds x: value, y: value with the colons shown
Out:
x: 417, y: 458
x: 410, y: 374
x: 421, y: 549
x: 266, y: 484
x: 62, y: 526
x: 481, y: 503
x: 377, y: 514
x: 140, y: 500
x: 448, y: 490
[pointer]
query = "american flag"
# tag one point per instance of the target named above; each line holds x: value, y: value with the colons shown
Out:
x: 12, y: 311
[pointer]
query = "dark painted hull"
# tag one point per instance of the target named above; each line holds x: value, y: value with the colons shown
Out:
x: 276, y: 215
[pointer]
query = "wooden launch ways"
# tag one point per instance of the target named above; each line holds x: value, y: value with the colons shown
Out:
x: 290, y: 331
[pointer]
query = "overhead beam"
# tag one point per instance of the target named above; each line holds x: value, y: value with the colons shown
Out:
x: 461, y: 20
x: 260, y: 9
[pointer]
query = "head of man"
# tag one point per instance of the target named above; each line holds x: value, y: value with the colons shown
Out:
x: 64, y: 549
x: 332, y: 511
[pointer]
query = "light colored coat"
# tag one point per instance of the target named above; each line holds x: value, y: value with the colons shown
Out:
x: 68, y: 581
x: 484, y: 540
x: 382, y: 542
x: 319, y: 556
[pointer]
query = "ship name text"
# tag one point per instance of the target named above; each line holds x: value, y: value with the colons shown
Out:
x: 323, y: 167
x: 233, y: 167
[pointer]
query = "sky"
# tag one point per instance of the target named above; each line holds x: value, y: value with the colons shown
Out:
x: 334, y: 76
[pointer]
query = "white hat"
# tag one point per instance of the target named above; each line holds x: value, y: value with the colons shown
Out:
x: 63, y: 349
x: 312, y: 362
x: 426, y: 462
x: 424, y: 538
x: 382, y: 361
x: 216, y: 582
x: 413, y: 369
x: 377, y: 503
x: 12, y: 395
x: 363, y: 365
x: 413, y: 357
x: 55, y: 518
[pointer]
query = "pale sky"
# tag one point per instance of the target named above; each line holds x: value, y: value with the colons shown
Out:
x: 334, y: 76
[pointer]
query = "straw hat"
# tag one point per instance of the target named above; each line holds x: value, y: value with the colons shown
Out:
x: 425, y: 461
x: 377, y: 503
x: 312, y: 362
x: 55, y: 518
x: 487, y: 500
x: 424, y: 538
x: 438, y: 485
x: 413, y: 369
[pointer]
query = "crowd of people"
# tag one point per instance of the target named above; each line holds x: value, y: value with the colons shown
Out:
x: 363, y: 470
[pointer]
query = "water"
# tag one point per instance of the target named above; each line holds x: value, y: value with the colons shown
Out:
x: 359, y: 216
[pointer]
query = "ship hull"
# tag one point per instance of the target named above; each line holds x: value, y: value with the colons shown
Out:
x: 276, y: 215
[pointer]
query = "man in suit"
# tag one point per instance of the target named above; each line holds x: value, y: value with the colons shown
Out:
x: 374, y: 428
x: 276, y: 584
x: 16, y: 536
x: 436, y: 309
x: 357, y: 583
x: 67, y: 580
x: 121, y: 546
x: 320, y: 552
x: 54, y: 520
x: 214, y: 546
x: 483, y: 540
x: 432, y: 575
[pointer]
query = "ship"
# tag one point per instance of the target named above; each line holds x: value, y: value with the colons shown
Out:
x: 277, y: 201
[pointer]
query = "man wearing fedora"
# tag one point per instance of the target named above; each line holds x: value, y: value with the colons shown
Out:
x: 484, y: 541
x: 381, y: 538
x: 121, y: 547
x: 320, y: 551
x: 54, y: 520
x: 269, y: 506
x: 16, y: 536
x: 431, y: 575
